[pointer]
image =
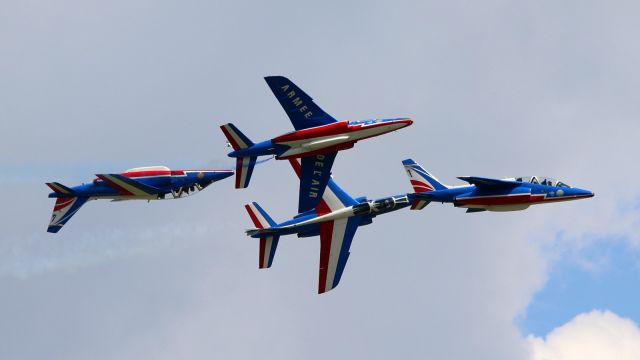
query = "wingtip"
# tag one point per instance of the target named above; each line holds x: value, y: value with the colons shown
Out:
x: 323, y: 291
x: 53, y: 229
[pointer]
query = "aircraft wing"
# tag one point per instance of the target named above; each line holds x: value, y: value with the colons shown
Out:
x: 314, y: 175
x: 317, y: 189
x: 127, y: 186
x: 299, y: 106
x: 489, y: 183
x: 335, y: 241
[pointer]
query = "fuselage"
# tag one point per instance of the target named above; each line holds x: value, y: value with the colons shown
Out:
x: 509, y: 199
x: 172, y: 184
x: 308, y: 224
x: 321, y: 139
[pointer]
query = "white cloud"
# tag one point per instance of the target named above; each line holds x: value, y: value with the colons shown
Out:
x: 597, y: 335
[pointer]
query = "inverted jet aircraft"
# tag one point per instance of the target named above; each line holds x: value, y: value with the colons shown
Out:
x: 336, y: 219
x: 484, y: 194
x: 144, y: 183
x: 317, y: 140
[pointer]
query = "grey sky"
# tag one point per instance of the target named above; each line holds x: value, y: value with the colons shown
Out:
x: 497, y: 88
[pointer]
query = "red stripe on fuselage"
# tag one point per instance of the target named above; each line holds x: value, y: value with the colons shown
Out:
x: 132, y: 174
x: 166, y: 172
x: 159, y: 173
x: 517, y: 199
x: 496, y: 200
x: 326, y: 234
x: 337, y: 128
x: 318, y: 131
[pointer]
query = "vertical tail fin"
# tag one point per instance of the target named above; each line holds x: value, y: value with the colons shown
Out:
x: 268, y: 243
x: 420, y: 179
x: 63, y: 210
x: 236, y: 138
x: 244, y: 165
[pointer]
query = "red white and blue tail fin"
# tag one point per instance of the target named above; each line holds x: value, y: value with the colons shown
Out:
x: 236, y: 138
x: 66, y: 206
x: 421, y: 181
x: 268, y: 242
x: 244, y: 165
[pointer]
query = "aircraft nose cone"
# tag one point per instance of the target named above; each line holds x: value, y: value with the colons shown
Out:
x: 585, y: 193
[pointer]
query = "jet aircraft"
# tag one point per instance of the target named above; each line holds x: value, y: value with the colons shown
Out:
x: 317, y: 139
x: 484, y: 194
x: 336, y: 219
x: 144, y: 183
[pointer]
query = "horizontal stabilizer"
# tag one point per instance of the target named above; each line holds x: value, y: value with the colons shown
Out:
x: 127, y: 186
x: 60, y: 190
x: 244, y: 170
x: 419, y: 204
x: 269, y: 242
x: 268, y: 245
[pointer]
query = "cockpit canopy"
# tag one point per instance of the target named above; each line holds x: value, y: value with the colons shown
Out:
x: 542, y: 180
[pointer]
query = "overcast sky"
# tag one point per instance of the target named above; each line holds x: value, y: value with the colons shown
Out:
x: 496, y: 89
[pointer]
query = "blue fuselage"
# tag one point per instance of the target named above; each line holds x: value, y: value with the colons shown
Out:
x: 308, y: 223
x: 504, y: 199
x: 182, y: 182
